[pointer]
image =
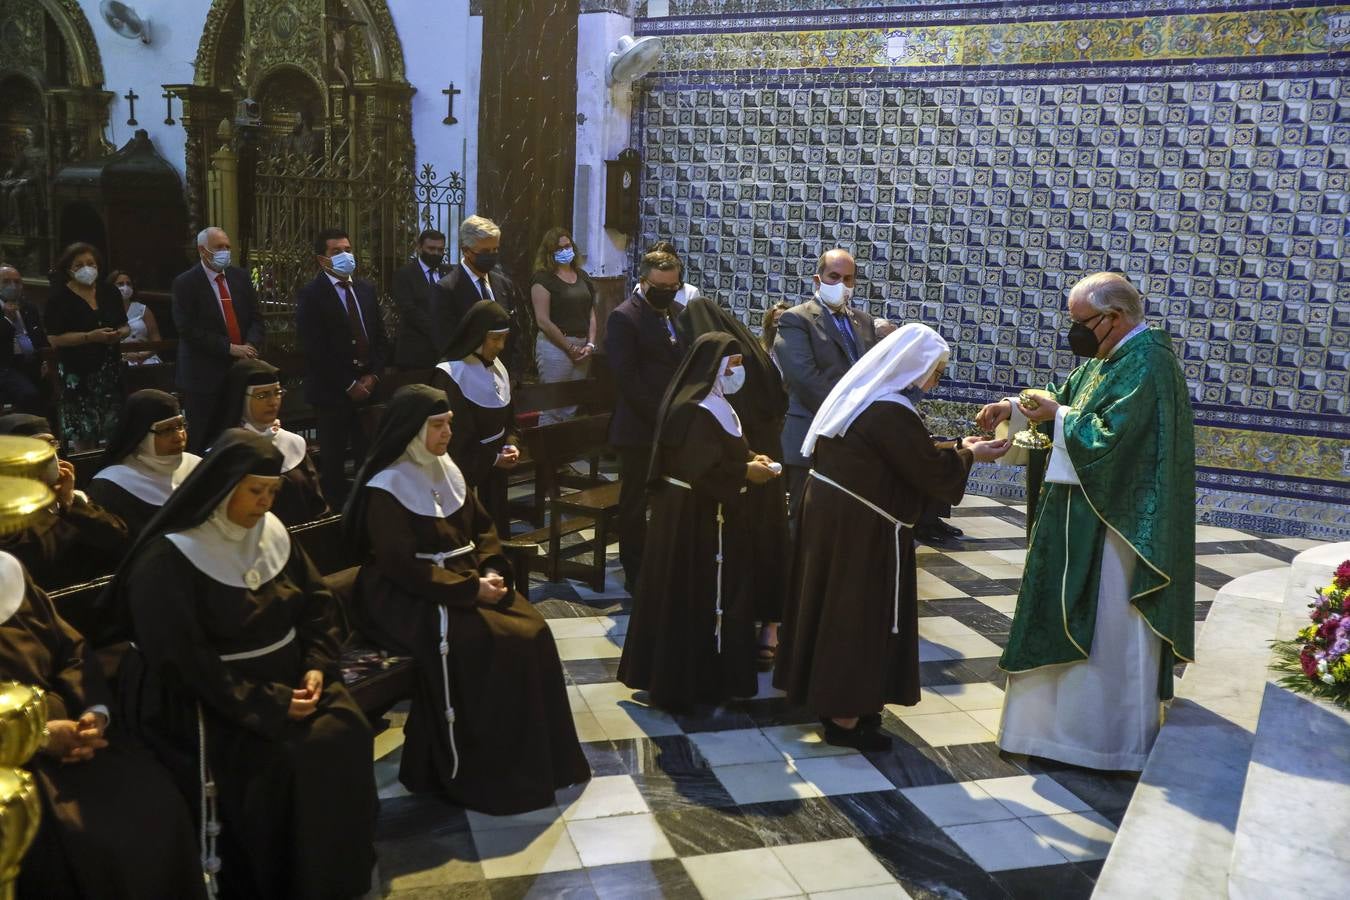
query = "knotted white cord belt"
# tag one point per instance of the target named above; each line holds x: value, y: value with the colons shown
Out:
x: 439, y: 559
x: 210, y: 824
x: 899, y: 527
x: 721, y: 520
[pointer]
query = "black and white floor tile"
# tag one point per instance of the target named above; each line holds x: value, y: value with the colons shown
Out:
x: 745, y: 801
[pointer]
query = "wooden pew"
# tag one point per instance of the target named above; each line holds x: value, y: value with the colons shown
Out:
x: 552, y: 448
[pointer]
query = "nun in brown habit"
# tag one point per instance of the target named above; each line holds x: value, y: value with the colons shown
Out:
x: 691, y: 637
x: 850, y: 640
x: 490, y: 726
x: 252, y: 401
x: 478, y: 388
x: 761, y: 406
x: 76, y: 540
x: 238, y: 655
x: 146, y: 460
x: 113, y: 824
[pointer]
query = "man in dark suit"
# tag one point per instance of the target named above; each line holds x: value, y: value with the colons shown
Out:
x: 22, y: 340
x: 337, y: 320
x: 475, y: 279
x: 643, y: 353
x: 414, y: 286
x: 216, y: 312
x: 817, y: 342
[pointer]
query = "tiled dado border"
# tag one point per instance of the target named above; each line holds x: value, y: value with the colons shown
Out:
x: 794, y: 13
x: 1253, y: 479
x: 735, y: 45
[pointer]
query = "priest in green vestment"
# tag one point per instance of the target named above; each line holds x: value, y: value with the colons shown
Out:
x: 1107, y: 600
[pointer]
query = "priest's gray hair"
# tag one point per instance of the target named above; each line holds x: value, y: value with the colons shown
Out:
x: 477, y: 228
x: 1112, y: 292
x: 204, y: 235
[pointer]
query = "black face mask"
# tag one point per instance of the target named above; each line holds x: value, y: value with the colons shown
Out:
x: 661, y: 298
x: 485, y: 262
x: 431, y: 260
x: 1083, y: 340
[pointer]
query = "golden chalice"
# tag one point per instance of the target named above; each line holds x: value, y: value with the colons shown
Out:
x: 26, y: 468
x: 1024, y: 442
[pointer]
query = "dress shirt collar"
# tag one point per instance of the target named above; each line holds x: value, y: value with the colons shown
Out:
x: 336, y: 281
x: 211, y: 274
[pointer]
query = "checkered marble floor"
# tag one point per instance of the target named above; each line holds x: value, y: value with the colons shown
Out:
x: 745, y: 801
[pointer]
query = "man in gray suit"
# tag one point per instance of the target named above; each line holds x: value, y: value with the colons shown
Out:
x: 817, y: 342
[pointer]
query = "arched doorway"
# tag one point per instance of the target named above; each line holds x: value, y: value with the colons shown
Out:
x: 53, y: 110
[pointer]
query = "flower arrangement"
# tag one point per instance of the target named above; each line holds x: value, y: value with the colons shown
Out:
x: 1317, y: 662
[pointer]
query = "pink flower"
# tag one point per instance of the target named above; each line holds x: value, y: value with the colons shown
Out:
x: 1343, y: 574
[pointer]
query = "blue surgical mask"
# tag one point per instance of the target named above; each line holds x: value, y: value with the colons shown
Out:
x: 564, y: 256
x: 221, y: 259
x: 343, y: 263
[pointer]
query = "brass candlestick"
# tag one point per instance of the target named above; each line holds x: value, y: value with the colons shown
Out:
x: 26, y: 468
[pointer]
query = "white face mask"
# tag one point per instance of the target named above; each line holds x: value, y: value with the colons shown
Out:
x: 835, y: 296
x: 86, y: 275
x: 732, y: 383
x: 126, y: 291
x: 221, y: 259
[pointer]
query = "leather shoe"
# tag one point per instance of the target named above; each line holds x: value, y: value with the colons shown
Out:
x: 943, y: 530
x: 858, y: 737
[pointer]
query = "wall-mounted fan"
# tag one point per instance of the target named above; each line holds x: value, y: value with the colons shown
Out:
x: 125, y: 21
x: 633, y: 59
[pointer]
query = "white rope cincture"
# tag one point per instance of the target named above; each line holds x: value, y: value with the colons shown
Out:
x: 210, y: 826
x: 717, y: 610
x: 899, y: 527
x: 261, y: 651
x: 488, y: 440
x: 439, y: 559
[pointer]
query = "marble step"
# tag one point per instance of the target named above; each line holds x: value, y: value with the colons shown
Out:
x: 1176, y: 840
x: 1297, y: 786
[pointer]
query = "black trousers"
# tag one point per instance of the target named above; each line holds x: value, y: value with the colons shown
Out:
x: 341, y: 437
x: 199, y: 408
x: 632, y: 523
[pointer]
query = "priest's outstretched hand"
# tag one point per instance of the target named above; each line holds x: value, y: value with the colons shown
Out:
x: 1043, y: 411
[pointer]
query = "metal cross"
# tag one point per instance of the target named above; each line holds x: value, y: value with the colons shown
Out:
x: 168, y: 107
x: 131, y: 97
x: 450, y: 92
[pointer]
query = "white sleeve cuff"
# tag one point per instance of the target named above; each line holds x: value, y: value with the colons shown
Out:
x: 102, y: 711
x: 1060, y: 470
x: 1018, y: 420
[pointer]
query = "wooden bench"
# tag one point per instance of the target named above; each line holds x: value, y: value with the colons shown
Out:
x: 554, y: 447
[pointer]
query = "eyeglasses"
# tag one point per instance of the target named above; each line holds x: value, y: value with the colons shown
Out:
x: 276, y: 394
x: 169, y: 427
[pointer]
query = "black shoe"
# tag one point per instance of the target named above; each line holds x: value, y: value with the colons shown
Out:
x: 858, y: 737
x: 943, y: 530
x: 870, y: 722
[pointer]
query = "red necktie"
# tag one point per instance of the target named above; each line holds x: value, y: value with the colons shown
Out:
x: 227, y: 307
x: 354, y: 323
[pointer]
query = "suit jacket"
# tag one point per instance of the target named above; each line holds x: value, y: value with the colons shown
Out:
x: 643, y: 359
x: 415, y: 346
x: 811, y: 352
x: 326, y: 339
x: 455, y: 293
x: 203, y: 344
x: 32, y: 322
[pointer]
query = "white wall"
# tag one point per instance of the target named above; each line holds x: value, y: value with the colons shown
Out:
x: 442, y: 43
x: 603, y: 134
x: 176, y: 27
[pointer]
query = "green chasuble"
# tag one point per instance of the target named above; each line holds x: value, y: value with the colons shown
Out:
x: 1130, y: 436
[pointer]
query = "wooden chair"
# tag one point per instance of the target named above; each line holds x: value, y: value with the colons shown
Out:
x: 552, y: 447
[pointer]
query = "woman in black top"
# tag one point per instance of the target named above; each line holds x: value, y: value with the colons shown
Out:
x: 85, y: 322
x: 564, y: 310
